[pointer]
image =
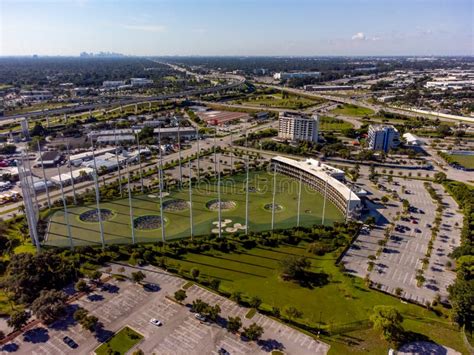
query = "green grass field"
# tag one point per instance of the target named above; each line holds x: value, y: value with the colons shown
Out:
x: 120, y: 343
x: 353, y: 110
x: 118, y: 229
x: 276, y: 100
x: 333, y: 124
x: 343, y: 301
x: 465, y: 160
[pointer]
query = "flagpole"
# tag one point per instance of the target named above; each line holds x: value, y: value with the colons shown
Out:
x: 66, y: 215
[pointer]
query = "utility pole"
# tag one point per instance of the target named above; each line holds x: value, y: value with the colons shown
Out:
x: 66, y: 215
x: 130, y: 205
x: 70, y: 173
x: 44, y: 175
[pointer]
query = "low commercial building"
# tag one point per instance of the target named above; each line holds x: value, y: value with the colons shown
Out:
x: 297, y: 127
x: 67, y: 178
x: 186, y: 133
x: 296, y: 75
x: 35, y: 95
x: 383, y: 137
x: 49, y: 159
x: 327, y: 87
x: 78, y: 159
x: 320, y: 177
x: 113, y: 84
x: 140, y: 82
x: 413, y: 140
x: 219, y: 118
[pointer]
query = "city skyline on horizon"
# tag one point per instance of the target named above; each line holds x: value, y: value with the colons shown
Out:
x: 237, y: 28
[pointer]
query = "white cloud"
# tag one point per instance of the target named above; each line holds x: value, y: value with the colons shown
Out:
x: 146, y: 28
x: 359, y: 36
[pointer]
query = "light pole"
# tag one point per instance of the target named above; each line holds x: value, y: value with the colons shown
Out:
x: 66, y: 215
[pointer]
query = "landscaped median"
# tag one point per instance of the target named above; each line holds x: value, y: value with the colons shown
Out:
x: 120, y: 342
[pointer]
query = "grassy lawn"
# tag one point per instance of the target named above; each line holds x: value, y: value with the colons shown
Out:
x: 342, y: 302
x: 120, y: 343
x: 333, y: 124
x: 276, y: 100
x: 353, y: 110
x: 118, y: 229
x: 465, y: 160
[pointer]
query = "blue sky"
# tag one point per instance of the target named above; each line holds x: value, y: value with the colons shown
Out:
x: 237, y: 27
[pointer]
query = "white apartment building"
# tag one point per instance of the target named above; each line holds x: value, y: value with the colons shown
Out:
x: 296, y: 127
x: 383, y: 137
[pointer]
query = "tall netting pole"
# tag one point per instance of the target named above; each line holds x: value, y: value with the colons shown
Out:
x: 97, y: 197
x: 66, y: 214
x: 44, y: 176
x: 160, y: 174
x: 31, y: 216
x: 70, y: 172
x: 130, y: 205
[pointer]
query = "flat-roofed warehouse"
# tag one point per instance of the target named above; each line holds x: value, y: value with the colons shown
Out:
x: 50, y: 158
x: 218, y: 118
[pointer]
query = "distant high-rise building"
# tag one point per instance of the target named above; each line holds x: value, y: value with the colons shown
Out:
x: 296, y: 127
x: 383, y: 137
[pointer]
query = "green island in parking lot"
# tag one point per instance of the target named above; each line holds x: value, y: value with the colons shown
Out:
x: 120, y: 343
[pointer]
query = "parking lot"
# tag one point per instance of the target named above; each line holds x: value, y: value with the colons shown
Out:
x: 402, y: 255
x: 121, y: 303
